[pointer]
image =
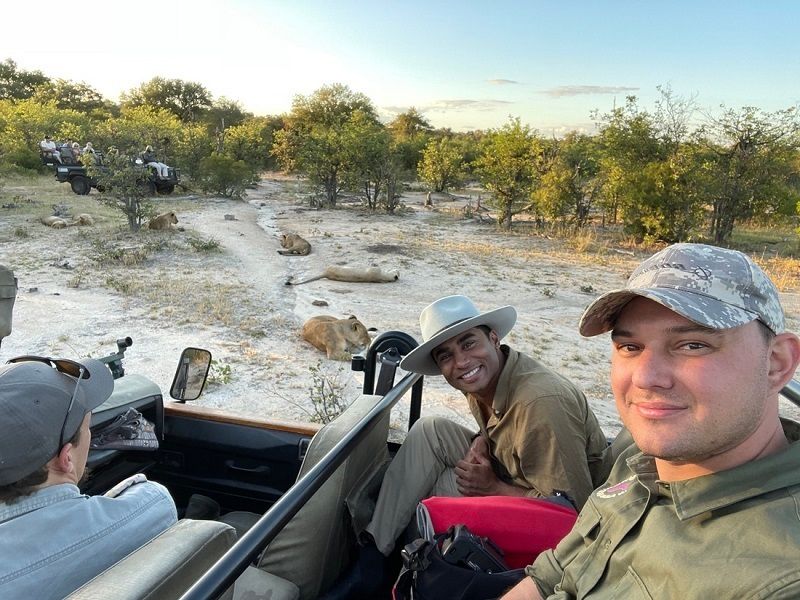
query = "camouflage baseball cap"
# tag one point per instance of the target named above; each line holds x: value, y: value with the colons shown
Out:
x: 714, y: 287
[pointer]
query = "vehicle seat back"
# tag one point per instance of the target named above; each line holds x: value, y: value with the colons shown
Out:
x: 311, y: 550
x: 165, y: 567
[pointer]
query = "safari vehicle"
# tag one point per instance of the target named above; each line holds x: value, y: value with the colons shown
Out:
x: 250, y: 466
x: 71, y: 170
x: 284, y: 485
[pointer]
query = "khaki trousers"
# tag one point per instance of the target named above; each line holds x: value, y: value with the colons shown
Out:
x: 423, y: 467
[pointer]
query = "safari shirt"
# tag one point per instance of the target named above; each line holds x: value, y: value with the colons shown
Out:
x: 734, y: 534
x: 56, y: 539
x: 542, y: 433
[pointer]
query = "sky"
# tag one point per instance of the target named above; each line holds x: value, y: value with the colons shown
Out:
x: 463, y: 64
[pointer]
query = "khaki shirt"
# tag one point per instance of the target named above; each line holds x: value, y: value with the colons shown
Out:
x: 542, y: 433
x: 734, y: 534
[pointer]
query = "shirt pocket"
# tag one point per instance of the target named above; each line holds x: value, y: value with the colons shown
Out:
x: 631, y: 587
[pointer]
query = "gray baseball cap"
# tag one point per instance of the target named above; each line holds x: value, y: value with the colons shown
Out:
x: 34, y: 400
x: 714, y: 287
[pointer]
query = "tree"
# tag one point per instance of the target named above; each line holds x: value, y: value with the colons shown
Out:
x: 568, y: 181
x: 125, y: 187
x: 441, y: 164
x: 411, y: 133
x: 507, y: 168
x: 319, y: 135
x: 225, y: 176
x: 16, y: 84
x: 184, y: 99
x: 76, y: 96
x: 753, y: 166
x: 252, y: 140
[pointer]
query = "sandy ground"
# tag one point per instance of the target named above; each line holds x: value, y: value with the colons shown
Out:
x: 252, y: 320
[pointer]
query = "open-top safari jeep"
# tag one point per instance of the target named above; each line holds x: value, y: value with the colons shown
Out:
x: 71, y: 170
x: 294, y: 493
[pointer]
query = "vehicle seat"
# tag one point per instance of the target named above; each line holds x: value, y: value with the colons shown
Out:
x: 312, y: 549
x: 165, y: 567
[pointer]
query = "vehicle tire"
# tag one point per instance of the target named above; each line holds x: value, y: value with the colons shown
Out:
x: 166, y: 189
x: 80, y: 185
x: 148, y: 187
x: 100, y: 188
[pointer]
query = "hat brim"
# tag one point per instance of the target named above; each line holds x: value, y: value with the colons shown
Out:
x: 92, y: 392
x: 601, y: 314
x: 419, y: 360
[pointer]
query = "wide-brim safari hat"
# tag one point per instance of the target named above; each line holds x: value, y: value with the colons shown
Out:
x: 446, y: 318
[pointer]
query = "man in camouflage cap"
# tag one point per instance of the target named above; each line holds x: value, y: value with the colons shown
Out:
x: 705, y: 504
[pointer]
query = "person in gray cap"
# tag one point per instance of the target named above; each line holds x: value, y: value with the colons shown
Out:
x: 53, y: 539
x: 705, y: 503
x: 537, y: 435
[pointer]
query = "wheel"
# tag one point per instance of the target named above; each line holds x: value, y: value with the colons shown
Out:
x: 148, y: 187
x: 100, y: 188
x: 166, y: 188
x: 80, y: 185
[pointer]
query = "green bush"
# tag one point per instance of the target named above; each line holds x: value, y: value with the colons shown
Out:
x: 225, y: 176
x: 24, y: 158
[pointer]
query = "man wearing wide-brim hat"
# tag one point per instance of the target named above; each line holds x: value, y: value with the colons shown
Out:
x: 537, y: 437
x: 53, y: 539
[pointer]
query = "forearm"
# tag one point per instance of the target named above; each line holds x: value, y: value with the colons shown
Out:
x: 524, y: 590
x: 501, y: 488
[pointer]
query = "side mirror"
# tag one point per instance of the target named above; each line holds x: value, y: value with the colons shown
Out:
x: 190, y: 377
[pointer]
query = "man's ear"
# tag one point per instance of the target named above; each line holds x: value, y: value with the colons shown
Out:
x: 494, y: 338
x: 62, y: 462
x: 784, y: 358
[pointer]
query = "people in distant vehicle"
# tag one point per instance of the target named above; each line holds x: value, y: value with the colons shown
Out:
x: 53, y: 539
x: 537, y: 436
x: 149, y: 159
x: 48, y: 148
x: 705, y: 503
x: 76, y: 149
x: 89, y: 156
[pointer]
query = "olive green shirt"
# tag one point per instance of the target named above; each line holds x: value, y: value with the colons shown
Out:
x: 731, y: 534
x: 542, y: 434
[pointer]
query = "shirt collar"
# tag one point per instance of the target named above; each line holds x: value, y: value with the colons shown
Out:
x: 695, y: 496
x: 39, y: 499
x: 502, y: 392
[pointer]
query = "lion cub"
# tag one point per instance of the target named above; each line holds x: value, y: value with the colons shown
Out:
x: 294, y: 244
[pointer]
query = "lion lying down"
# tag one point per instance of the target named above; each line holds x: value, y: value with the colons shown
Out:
x: 339, y: 338
x: 353, y: 274
x: 294, y: 245
x: 57, y: 222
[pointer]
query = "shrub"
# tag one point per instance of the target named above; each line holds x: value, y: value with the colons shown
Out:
x: 225, y: 176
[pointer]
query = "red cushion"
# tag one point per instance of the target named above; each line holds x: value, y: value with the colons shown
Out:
x: 520, y: 527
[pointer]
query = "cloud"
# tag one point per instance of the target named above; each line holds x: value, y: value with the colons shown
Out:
x: 464, y: 104
x: 583, y: 90
x: 502, y: 81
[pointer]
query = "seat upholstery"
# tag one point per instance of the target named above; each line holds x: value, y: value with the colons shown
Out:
x: 312, y: 549
x: 165, y: 567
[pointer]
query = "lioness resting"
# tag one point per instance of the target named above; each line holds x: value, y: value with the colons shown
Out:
x: 339, y: 338
x: 353, y: 274
x: 294, y: 244
x: 163, y: 222
x: 54, y: 222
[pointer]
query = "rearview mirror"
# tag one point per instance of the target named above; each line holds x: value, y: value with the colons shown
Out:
x: 190, y: 377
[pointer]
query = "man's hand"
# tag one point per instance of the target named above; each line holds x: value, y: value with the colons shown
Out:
x: 476, y: 477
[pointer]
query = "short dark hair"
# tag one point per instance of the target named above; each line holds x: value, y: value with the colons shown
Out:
x: 486, y: 329
x: 27, y: 485
x: 766, y: 332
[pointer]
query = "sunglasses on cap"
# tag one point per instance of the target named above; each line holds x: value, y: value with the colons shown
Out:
x: 62, y: 365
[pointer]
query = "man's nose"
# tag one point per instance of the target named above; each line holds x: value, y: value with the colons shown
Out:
x: 652, y: 370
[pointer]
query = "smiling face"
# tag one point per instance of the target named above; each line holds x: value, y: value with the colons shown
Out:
x: 688, y: 394
x: 471, y: 362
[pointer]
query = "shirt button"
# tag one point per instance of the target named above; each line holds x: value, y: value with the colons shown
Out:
x: 606, y: 545
x: 496, y: 413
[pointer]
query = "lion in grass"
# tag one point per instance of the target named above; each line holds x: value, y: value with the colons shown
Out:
x: 353, y: 274
x: 163, y: 222
x: 338, y: 338
x: 294, y: 245
x: 83, y: 219
x: 54, y: 222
